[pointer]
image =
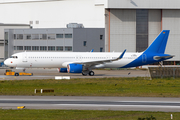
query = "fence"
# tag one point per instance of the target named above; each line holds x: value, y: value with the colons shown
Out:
x: 164, y: 72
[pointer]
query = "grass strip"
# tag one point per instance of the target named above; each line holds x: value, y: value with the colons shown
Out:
x: 26, y: 114
x: 138, y: 87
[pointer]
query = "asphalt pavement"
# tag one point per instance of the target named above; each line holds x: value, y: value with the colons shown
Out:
x: 91, y: 103
x: 39, y: 73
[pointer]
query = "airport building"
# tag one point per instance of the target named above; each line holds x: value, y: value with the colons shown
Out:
x: 69, y: 39
x: 134, y: 24
x: 3, y: 36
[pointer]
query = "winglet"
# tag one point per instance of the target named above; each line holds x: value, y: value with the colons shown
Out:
x: 121, y: 56
x: 92, y: 50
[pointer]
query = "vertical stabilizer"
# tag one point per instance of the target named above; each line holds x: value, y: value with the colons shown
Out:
x: 159, y: 44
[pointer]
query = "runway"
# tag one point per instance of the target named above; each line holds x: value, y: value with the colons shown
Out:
x: 91, y: 103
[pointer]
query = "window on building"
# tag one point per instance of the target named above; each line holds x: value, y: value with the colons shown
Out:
x: 27, y: 47
x: 43, y: 36
x: 27, y: 36
x: 15, y: 48
x: 59, y: 48
x: 35, y: 47
x: 101, y: 49
x: 101, y: 37
x: 84, y: 43
x: 51, y: 36
x: 68, y: 35
x: 19, y: 36
x: 35, y: 36
x: 43, y: 48
x: 19, y: 47
x: 51, y: 48
x: 59, y: 35
x: 68, y: 48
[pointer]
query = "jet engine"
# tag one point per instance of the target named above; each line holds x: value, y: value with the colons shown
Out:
x: 74, y: 68
x: 62, y: 70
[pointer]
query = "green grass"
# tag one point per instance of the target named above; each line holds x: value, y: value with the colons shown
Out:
x: 95, y: 87
x: 83, y: 115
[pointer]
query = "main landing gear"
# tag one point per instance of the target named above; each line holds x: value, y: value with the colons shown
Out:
x: 91, y: 73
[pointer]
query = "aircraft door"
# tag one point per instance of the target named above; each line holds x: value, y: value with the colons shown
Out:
x: 144, y: 58
x: 24, y: 57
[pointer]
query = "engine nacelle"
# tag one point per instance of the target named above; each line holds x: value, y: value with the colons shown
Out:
x: 74, y: 68
x: 62, y: 70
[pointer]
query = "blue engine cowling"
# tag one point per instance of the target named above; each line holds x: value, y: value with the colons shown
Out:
x: 62, y: 70
x: 74, y: 68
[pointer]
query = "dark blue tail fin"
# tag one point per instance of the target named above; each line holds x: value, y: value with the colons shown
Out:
x: 159, y: 44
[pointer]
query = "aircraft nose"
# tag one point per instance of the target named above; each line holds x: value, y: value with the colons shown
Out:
x: 7, y: 62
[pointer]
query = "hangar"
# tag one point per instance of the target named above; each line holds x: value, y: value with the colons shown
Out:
x: 134, y: 24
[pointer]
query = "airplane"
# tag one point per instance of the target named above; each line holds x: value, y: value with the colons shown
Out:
x: 85, y: 62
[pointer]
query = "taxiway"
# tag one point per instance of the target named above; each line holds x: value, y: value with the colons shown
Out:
x: 51, y: 73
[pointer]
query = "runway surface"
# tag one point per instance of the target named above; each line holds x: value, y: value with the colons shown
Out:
x: 51, y: 73
x: 91, y: 103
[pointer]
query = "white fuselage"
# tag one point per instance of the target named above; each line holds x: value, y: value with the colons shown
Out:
x: 62, y: 59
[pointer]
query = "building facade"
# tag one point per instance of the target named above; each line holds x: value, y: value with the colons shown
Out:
x: 4, y: 36
x: 134, y: 24
x: 55, y: 39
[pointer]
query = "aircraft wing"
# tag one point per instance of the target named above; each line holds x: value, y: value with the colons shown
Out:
x: 91, y: 63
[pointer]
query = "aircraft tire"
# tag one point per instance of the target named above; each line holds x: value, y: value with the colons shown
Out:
x: 91, y: 73
x: 16, y: 74
x: 84, y: 74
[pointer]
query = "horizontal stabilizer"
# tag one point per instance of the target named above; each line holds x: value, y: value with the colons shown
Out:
x: 163, y: 57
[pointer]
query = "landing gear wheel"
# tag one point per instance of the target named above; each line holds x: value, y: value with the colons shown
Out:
x: 84, y: 74
x: 91, y: 73
x: 16, y: 74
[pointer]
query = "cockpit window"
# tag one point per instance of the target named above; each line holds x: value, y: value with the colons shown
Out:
x: 14, y: 57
